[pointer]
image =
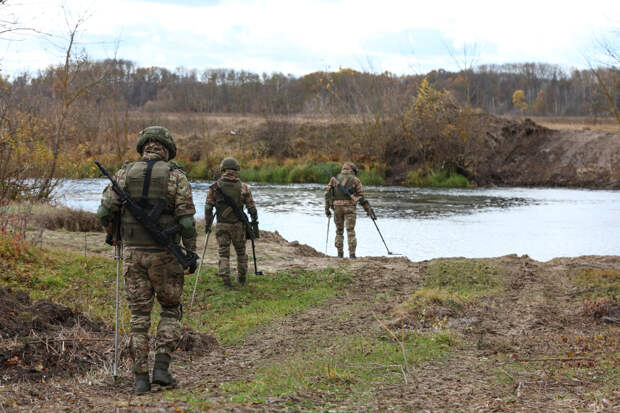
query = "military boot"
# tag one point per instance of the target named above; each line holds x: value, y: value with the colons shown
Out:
x: 141, y: 383
x: 352, y: 255
x: 226, y: 281
x: 161, y: 375
x: 340, y: 254
x: 242, y: 279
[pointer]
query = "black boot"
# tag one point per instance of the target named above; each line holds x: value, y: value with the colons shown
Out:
x: 161, y: 375
x: 241, y: 279
x: 352, y: 255
x: 340, y: 254
x: 141, y: 383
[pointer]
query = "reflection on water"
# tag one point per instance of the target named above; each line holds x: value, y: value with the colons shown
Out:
x: 430, y: 223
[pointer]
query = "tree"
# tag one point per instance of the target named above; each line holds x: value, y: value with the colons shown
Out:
x: 518, y: 100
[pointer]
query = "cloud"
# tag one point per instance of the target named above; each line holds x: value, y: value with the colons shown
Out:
x: 303, y: 35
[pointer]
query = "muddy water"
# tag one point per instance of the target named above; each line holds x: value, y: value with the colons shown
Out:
x: 430, y: 223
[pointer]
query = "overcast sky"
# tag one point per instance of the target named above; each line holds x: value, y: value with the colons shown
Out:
x: 303, y: 36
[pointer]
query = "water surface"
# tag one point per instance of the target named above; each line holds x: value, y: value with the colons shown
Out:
x: 430, y: 223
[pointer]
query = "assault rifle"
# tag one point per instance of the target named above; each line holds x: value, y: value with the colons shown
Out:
x: 188, y: 259
x: 251, y: 229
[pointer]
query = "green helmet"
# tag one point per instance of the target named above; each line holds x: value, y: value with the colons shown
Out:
x: 354, y: 167
x: 229, y: 163
x: 158, y: 134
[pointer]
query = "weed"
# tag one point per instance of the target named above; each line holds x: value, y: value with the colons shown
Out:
x: 341, y: 367
x: 467, y: 279
x: 233, y: 314
x: 436, y: 179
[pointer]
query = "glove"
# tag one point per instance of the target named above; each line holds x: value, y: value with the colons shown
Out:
x: 328, y: 213
x: 369, y: 211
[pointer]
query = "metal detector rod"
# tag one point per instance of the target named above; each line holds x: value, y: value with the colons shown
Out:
x: 386, y: 247
x: 256, y: 272
x: 202, y: 257
x: 118, y: 257
x: 327, y: 237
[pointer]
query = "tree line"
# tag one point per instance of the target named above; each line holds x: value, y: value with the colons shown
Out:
x: 522, y: 88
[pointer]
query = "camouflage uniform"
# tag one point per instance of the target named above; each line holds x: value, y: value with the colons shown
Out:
x: 229, y: 228
x: 151, y: 270
x: 344, y: 206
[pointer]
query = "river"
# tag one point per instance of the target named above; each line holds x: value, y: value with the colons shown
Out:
x: 428, y: 223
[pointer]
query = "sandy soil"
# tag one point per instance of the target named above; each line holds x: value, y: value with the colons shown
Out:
x: 539, y: 315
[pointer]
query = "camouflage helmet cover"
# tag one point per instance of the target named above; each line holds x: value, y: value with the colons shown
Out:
x: 353, y: 167
x: 159, y: 134
x: 229, y: 163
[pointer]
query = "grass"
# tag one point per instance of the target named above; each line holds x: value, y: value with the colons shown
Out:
x: 50, y: 217
x: 436, y: 179
x: 233, y: 314
x: 308, y: 172
x: 453, y: 283
x: 332, y: 369
x: 598, y: 282
x: 84, y: 283
x: 466, y: 278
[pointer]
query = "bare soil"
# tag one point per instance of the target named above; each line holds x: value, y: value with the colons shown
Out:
x: 527, y: 154
x: 515, y: 344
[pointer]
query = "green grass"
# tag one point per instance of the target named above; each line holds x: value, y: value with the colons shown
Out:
x: 453, y: 283
x: 466, y: 278
x: 233, y: 314
x: 308, y: 172
x: 87, y: 284
x: 84, y: 283
x: 332, y: 368
x: 598, y: 282
x: 436, y: 179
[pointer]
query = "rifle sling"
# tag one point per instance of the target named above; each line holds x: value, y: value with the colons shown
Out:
x: 147, y: 182
x: 228, y: 201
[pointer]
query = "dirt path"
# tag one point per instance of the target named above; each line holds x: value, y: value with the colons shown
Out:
x: 538, y: 314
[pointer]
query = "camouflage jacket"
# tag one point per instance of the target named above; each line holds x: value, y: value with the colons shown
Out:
x: 246, y: 196
x: 356, y: 190
x: 180, y: 199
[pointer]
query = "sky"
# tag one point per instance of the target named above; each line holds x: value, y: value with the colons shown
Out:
x: 303, y: 36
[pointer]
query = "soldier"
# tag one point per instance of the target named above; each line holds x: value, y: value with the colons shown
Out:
x: 344, y: 205
x: 229, y: 227
x: 150, y: 270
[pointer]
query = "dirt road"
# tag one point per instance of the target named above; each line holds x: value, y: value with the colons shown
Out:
x: 523, y: 336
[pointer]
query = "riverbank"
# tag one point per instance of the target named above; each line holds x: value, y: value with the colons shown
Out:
x: 508, y: 152
x: 317, y: 333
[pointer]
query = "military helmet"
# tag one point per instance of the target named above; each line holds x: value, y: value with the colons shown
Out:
x: 353, y: 167
x: 158, y: 134
x: 229, y: 163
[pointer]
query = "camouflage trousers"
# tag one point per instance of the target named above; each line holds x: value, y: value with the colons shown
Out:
x: 151, y: 273
x: 225, y: 234
x: 344, y: 216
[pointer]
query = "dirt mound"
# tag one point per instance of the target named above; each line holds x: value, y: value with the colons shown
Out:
x: 19, y: 317
x: 197, y: 343
x: 305, y: 250
x: 45, y: 339
x: 272, y: 237
x: 525, y: 153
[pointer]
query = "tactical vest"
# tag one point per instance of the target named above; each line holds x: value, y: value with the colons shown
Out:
x: 225, y: 213
x: 346, y: 180
x: 146, y: 182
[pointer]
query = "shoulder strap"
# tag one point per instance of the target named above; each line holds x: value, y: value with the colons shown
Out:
x: 147, y: 181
